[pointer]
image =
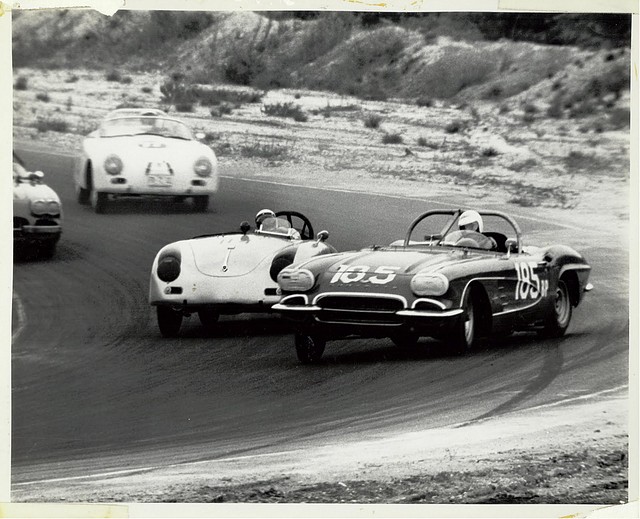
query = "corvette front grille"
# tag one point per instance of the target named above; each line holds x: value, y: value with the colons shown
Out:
x: 364, y: 309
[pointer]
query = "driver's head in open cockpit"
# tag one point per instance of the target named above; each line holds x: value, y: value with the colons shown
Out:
x: 470, y: 221
x: 263, y: 215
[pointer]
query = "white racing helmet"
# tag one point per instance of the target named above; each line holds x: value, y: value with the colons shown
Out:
x: 470, y: 217
x: 262, y: 215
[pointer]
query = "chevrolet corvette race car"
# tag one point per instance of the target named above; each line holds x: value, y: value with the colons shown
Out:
x: 443, y: 280
x: 37, y: 212
x: 232, y: 272
x: 144, y: 152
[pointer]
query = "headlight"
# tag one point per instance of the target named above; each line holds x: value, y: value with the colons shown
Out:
x: 295, y: 280
x: 42, y: 206
x: 113, y: 165
x: 429, y: 284
x: 203, y: 167
x: 38, y: 207
x: 169, y: 267
x: 53, y: 207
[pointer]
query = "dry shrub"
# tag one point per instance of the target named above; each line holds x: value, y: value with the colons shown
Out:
x: 392, y: 138
x: 372, y: 121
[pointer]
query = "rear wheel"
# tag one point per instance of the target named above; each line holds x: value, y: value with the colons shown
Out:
x: 169, y: 321
x: 463, y: 338
x: 559, y: 321
x: 99, y: 201
x: 208, y: 318
x: 309, y: 348
x: 201, y: 203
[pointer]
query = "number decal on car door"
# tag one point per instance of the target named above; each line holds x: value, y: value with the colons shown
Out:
x: 529, y: 285
x: 358, y: 273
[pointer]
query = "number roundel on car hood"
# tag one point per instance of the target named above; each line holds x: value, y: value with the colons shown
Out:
x: 235, y: 254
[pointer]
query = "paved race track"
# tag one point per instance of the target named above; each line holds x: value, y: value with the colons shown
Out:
x: 96, y: 388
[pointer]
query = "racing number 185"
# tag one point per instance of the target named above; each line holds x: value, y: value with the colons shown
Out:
x: 529, y: 285
x: 358, y: 273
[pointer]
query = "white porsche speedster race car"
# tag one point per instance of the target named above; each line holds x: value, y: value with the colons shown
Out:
x: 230, y: 273
x: 144, y: 153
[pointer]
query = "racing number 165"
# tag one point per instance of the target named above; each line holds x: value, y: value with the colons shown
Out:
x: 358, y: 273
x: 529, y: 285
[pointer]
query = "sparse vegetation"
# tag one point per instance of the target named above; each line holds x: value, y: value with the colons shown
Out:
x: 392, y: 138
x: 455, y: 126
x: 264, y: 150
x: 184, y: 107
x: 146, y: 90
x: 372, y: 121
x: 43, y: 96
x: 424, y: 102
x: 52, y: 125
x: 221, y: 109
x: 113, y: 76
x: 290, y: 110
x: 490, y: 152
x: 21, y: 83
x: 72, y: 79
x: 126, y: 80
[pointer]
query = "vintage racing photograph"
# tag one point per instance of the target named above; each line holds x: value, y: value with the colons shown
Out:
x: 348, y: 257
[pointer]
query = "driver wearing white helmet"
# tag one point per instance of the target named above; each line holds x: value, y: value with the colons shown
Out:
x: 469, y: 233
x: 267, y: 221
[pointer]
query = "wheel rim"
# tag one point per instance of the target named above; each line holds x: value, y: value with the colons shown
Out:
x: 562, y: 304
x: 469, y: 323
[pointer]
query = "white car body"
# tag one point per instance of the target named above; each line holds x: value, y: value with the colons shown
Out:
x: 226, y: 273
x: 152, y: 155
x: 37, y: 211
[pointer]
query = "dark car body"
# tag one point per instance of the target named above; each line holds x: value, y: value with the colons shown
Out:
x: 437, y: 283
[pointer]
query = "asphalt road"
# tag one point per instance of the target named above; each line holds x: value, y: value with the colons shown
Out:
x: 95, y: 387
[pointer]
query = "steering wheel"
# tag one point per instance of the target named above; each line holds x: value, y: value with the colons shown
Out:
x: 299, y: 222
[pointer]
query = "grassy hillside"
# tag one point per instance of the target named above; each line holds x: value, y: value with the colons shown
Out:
x: 428, y: 56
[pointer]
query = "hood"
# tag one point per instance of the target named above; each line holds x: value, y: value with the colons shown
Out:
x: 231, y: 255
x: 408, y: 261
x: 25, y: 191
x: 146, y: 147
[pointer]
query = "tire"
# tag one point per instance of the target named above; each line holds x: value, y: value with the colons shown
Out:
x: 46, y: 251
x: 99, y: 201
x: 201, y: 203
x: 464, y: 335
x: 406, y: 341
x: 208, y: 318
x: 169, y: 321
x: 562, y: 311
x: 82, y: 195
x: 309, y: 348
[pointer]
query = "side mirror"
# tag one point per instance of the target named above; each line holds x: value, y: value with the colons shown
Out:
x: 322, y: 236
x: 245, y: 227
x: 512, y: 246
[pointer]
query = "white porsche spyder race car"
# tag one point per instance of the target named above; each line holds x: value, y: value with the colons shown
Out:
x: 144, y: 153
x: 230, y: 273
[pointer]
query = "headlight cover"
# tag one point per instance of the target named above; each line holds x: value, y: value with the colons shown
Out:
x: 429, y: 284
x: 203, y: 167
x: 296, y: 280
x: 113, y: 165
x: 169, y: 267
x: 42, y: 206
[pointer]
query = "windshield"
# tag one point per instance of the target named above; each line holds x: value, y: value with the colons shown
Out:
x: 144, y: 125
x: 278, y: 226
x: 444, y: 230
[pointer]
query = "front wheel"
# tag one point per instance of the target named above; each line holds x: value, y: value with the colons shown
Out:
x: 463, y: 338
x: 201, y: 203
x: 99, y: 201
x: 560, y: 318
x: 309, y: 348
x: 406, y: 341
x: 208, y: 318
x: 169, y: 321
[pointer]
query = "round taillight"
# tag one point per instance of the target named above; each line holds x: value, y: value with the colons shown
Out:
x: 113, y: 165
x: 168, y: 268
x: 203, y: 167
